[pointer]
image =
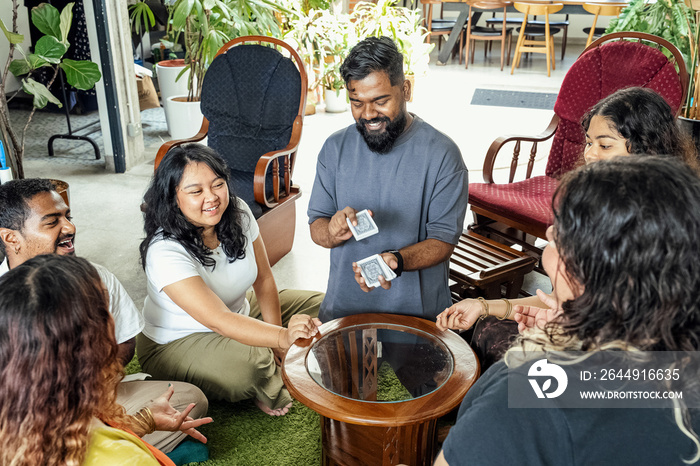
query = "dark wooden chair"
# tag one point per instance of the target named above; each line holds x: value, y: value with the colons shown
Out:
x: 488, y: 34
x: 253, y: 101
x: 514, y: 210
x: 482, y: 267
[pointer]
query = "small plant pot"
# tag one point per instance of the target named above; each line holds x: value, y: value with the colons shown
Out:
x: 185, y: 117
x: 336, y: 101
x: 167, y: 72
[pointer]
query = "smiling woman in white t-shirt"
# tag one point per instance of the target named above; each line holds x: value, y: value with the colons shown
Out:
x: 202, y: 252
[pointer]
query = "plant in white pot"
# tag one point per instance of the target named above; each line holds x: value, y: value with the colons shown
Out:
x: 336, y: 36
x: 49, y: 51
x: 206, y: 25
x: 301, y: 29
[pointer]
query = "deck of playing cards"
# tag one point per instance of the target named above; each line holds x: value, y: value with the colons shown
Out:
x: 374, y: 266
x: 365, y: 225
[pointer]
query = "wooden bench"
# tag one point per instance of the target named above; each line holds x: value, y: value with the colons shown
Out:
x: 481, y: 267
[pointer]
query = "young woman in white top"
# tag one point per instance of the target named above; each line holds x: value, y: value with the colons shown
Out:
x: 202, y: 252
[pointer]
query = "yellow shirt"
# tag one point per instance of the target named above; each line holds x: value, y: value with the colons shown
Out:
x: 114, y: 447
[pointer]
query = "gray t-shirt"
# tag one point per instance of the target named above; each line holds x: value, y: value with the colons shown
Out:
x: 416, y: 192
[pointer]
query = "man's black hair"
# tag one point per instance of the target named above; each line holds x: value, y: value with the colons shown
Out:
x: 370, y: 55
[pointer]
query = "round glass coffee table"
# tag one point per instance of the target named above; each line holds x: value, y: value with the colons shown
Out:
x: 379, y: 382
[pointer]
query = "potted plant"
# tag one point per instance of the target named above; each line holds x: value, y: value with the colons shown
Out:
x: 674, y: 21
x: 335, y: 39
x: 671, y: 19
x: 48, y: 53
x: 689, y: 120
x: 300, y: 28
x: 142, y: 20
x: 206, y: 25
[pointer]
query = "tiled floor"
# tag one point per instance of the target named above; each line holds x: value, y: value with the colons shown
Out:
x: 106, y: 205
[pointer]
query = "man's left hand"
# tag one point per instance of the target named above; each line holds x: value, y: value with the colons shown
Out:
x: 390, y: 260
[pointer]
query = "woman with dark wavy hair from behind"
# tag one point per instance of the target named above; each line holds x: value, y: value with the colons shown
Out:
x: 623, y: 260
x: 59, y: 372
x: 201, y: 254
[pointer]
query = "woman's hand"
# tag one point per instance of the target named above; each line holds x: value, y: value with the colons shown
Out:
x: 530, y: 316
x: 300, y: 326
x: 461, y: 315
x: 170, y: 419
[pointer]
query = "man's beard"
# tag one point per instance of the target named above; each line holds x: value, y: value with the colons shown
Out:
x: 383, y: 141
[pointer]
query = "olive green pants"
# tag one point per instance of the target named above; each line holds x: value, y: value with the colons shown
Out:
x: 224, y: 368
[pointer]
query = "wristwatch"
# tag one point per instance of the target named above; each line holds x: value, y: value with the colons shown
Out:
x: 399, y: 260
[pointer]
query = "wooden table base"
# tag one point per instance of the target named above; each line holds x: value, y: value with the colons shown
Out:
x: 347, y: 444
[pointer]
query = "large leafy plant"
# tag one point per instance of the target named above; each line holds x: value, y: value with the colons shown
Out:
x: 403, y: 25
x: 206, y: 25
x: 671, y: 19
x: 48, y: 53
x: 325, y: 38
x: 674, y: 21
x: 336, y: 36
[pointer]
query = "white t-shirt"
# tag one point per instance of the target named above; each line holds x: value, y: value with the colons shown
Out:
x: 168, y: 262
x: 128, y: 321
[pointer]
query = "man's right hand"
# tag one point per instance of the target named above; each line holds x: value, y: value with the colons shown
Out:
x: 338, y: 228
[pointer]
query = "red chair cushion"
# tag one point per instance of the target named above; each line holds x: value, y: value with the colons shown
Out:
x: 597, y: 74
x: 528, y: 201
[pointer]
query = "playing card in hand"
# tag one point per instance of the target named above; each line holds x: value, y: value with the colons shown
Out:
x: 374, y: 266
x: 365, y: 225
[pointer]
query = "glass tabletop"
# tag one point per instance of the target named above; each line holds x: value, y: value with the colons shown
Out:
x: 379, y: 362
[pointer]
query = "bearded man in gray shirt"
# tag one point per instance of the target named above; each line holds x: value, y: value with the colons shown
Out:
x: 409, y: 175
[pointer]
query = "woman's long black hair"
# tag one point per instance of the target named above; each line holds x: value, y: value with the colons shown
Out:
x: 162, y: 211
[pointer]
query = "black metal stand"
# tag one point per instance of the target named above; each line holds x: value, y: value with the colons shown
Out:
x: 70, y: 134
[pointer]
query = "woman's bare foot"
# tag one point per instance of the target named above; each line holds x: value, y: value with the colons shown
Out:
x: 273, y: 412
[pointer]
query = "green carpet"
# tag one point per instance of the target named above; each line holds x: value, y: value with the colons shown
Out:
x: 241, y: 434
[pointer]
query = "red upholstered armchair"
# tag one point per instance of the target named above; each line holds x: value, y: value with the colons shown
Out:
x: 608, y: 64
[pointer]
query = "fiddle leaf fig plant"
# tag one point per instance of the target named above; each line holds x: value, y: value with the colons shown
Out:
x: 49, y: 51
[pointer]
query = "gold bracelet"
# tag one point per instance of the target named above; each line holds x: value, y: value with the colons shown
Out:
x: 509, y: 309
x: 485, y: 306
x: 278, y: 337
x: 144, y: 419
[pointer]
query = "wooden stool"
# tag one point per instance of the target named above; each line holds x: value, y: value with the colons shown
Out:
x: 480, y: 266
